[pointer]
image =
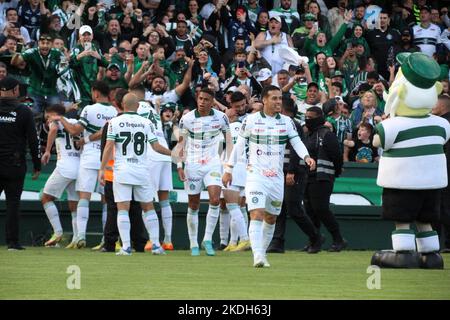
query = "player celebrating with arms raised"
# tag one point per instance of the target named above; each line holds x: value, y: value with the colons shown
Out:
x: 267, y: 133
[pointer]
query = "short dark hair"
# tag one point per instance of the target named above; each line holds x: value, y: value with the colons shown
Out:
x: 237, y: 96
x: 101, y: 86
x: 182, y: 21
x: 2, y: 65
x: 267, y: 89
x: 118, y: 97
x: 283, y: 71
x: 446, y: 99
x: 373, y: 75
x: 316, y: 110
x: 289, y: 105
x: 10, y: 9
x: 367, y: 126
x: 207, y: 91
x: 56, y: 108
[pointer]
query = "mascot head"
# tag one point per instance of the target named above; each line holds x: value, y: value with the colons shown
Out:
x: 415, y: 89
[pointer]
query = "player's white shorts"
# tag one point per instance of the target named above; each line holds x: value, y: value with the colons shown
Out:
x: 264, y: 194
x: 125, y: 192
x: 198, y: 176
x: 239, y: 175
x: 161, y: 175
x: 56, y: 184
x: 87, y: 180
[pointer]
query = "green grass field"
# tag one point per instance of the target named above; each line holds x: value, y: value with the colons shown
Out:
x: 40, y: 273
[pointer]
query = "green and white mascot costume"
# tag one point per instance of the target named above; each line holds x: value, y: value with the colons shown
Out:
x: 412, y: 167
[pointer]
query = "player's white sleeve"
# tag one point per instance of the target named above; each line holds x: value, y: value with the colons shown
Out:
x: 237, y: 152
x: 299, y: 147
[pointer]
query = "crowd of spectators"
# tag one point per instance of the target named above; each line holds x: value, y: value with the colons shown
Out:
x: 172, y: 48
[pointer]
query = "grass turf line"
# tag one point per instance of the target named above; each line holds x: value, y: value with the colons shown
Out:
x: 40, y: 273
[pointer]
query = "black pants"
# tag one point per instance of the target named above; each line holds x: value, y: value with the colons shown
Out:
x: 111, y: 232
x: 11, y: 181
x: 292, y: 206
x: 317, y: 205
x: 443, y: 225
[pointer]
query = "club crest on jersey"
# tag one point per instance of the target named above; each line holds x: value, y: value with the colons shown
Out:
x: 255, y: 200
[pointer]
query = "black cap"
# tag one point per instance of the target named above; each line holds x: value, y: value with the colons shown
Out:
x: 406, y: 32
x: 425, y: 7
x: 8, y: 83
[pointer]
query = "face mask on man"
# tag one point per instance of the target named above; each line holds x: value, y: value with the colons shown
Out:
x: 314, y: 123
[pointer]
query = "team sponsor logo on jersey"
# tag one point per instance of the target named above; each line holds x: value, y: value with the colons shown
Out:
x: 215, y: 174
x: 194, y: 179
x: 192, y: 186
x: 103, y: 117
x: 256, y: 193
x: 260, y: 152
x: 275, y: 204
x: 270, y: 173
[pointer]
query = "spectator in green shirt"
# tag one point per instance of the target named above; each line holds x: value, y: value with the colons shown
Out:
x: 43, y: 64
x: 85, y: 61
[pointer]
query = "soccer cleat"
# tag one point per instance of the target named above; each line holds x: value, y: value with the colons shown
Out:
x: 207, y: 245
x: 148, y: 246
x: 167, y: 246
x: 258, y: 261
x: 242, y: 246
x: 230, y: 247
x: 118, y: 246
x: 98, y: 247
x: 72, y: 245
x: 81, y: 243
x: 158, y: 250
x: 195, y: 251
x: 222, y: 247
x: 124, y: 252
x: 53, y: 240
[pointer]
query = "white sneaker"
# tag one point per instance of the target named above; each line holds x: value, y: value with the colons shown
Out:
x: 124, y: 252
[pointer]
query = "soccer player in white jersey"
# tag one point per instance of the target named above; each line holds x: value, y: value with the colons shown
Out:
x: 93, y: 118
x: 128, y: 137
x: 267, y: 133
x: 200, y: 132
x: 160, y: 168
x: 63, y: 177
x: 235, y: 193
